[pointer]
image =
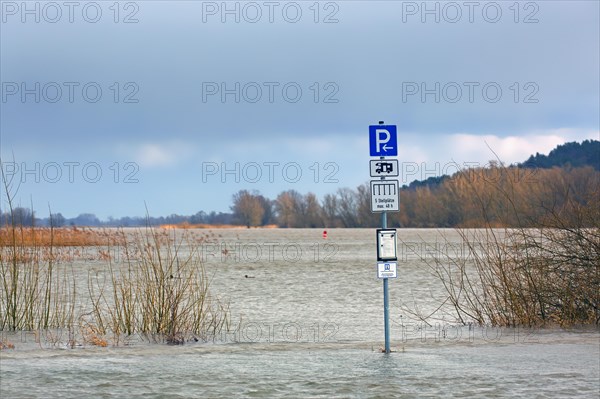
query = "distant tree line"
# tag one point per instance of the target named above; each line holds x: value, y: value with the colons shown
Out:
x: 27, y: 217
x: 512, y: 196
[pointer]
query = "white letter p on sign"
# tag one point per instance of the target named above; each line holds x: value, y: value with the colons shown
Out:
x: 379, y: 133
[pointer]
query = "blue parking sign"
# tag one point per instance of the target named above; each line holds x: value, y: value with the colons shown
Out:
x: 383, y: 141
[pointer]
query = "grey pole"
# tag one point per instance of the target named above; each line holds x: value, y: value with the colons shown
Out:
x: 386, y: 300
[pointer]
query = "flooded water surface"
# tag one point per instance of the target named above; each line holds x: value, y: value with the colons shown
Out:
x: 309, y: 313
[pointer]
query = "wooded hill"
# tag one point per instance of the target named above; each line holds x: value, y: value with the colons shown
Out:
x: 567, y: 155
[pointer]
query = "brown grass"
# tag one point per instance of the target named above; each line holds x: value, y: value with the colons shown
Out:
x: 6, y: 345
x: 93, y: 336
x: 57, y: 237
x: 186, y: 225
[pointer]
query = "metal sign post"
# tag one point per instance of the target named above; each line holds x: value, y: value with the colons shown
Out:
x: 386, y: 299
x: 385, y: 196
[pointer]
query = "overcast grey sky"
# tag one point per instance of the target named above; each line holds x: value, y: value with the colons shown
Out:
x: 107, y: 105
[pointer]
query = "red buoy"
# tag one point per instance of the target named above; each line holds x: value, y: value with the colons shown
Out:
x: 324, y: 234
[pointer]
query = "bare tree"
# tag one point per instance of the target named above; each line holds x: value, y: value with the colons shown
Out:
x: 365, y: 217
x: 288, y: 207
x: 248, y: 208
x: 330, y: 210
x: 348, y: 207
x: 313, y: 211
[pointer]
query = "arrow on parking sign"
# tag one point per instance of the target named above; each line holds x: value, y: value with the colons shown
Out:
x: 383, y: 140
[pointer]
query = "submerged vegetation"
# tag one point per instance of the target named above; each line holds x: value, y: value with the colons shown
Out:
x: 160, y: 291
x: 148, y: 283
x: 544, y: 270
x: 157, y: 289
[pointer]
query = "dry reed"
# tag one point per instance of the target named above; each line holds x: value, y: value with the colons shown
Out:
x: 548, y: 275
x: 157, y: 289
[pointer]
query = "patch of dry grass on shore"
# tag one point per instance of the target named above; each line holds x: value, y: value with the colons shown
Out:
x: 186, y: 225
x: 57, y: 237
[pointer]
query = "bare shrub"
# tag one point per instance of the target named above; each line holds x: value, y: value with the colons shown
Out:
x: 545, y: 271
x: 36, y: 291
x: 160, y: 291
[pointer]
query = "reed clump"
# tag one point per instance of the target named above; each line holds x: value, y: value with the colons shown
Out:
x: 160, y: 291
x: 157, y: 289
x: 36, y: 291
x: 529, y: 276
